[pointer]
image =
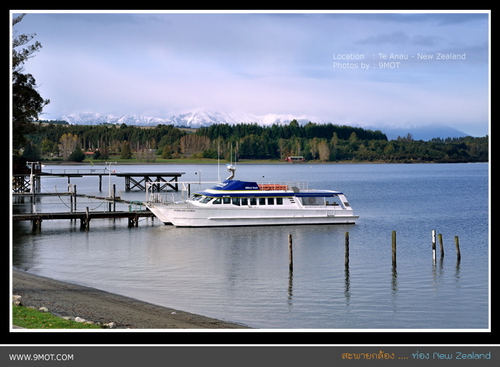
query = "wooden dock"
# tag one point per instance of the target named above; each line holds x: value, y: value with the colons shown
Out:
x: 157, y: 181
x: 84, y: 217
x: 160, y: 181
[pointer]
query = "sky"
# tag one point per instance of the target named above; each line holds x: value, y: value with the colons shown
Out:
x: 366, y: 69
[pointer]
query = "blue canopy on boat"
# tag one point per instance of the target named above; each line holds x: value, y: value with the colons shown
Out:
x: 236, y: 188
x: 236, y: 185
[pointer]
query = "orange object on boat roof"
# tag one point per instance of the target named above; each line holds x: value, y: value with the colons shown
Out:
x: 272, y: 187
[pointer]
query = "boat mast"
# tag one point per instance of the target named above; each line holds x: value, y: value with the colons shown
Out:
x: 218, y: 159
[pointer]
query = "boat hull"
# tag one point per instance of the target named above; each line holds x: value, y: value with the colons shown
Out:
x: 192, y: 216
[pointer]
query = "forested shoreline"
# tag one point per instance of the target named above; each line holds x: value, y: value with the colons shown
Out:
x: 315, y: 142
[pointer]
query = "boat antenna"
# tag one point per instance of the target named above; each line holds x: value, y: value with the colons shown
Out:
x: 235, y: 150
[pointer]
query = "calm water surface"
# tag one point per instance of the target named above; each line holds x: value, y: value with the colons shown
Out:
x: 241, y: 274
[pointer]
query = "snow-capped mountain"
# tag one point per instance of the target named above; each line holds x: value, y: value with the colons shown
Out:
x: 90, y: 118
x: 191, y: 119
x: 207, y: 118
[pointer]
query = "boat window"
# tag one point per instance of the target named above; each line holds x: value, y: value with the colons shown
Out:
x: 270, y: 201
x: 253, y: 201
x: 236, y: 201
x: 217, y: 201
x: 313, y: 200
x: 226, y: 200
x: 279, y: 201
x: 333, y: 201
x: 205, y: 199
x: 244, y: 201
x: 262, y: 201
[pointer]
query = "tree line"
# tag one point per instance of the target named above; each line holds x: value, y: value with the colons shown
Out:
x: 315, y: 142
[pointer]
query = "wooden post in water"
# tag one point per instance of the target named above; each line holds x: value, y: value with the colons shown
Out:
x: 290, y: 252
x: 457, y: 247
x: 434, y: 245
x: 87, y: 218
x: 36, y: 224
x: 346, y: 250
x: 70, y: 203
x: 393, y: 248
x: 441, y: 247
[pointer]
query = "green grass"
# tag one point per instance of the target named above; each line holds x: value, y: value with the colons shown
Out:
x: 30, y: 318
x: 118, y: 160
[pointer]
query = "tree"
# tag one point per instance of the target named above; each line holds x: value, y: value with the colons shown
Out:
x: 67, y: 144
x: 353, y: 142
x: 27, y: 103
x: 324, y: 151
x: 126, y: 152
x: 408, y: 137
x: 77, y: 155
x: 191, y: 144
x: 31, y: 152
x: 47, y: 146
x: 166, y: 153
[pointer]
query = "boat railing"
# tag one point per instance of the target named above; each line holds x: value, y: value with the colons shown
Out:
x: 153, y: 196
x: 301, y: 185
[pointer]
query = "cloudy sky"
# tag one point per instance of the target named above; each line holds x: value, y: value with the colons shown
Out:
x: 331, y: 66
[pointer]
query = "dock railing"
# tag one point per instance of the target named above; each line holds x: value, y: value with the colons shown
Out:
x: 77, y: 171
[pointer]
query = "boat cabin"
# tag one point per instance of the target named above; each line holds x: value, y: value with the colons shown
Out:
x: 306, y: 201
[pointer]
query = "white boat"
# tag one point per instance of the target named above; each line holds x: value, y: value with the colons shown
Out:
x: 246, y: 203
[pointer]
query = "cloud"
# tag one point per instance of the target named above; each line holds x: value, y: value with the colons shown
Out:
x: 393, y: 38
x: 429, y: 41
x: 260, y: 63
x: 400, y: 38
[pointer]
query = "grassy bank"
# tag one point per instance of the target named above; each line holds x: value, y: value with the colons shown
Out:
x: 134, y: 161
x: 119, y: 160
x: 30, y: 318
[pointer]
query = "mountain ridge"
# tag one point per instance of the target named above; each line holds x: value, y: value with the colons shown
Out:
x: 206, y: 118
x: 189, y: 119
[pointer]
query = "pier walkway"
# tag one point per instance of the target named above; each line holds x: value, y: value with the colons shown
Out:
x: 133, y: 180
x: 84, y: 217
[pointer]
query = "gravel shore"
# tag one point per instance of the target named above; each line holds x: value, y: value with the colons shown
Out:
x: 65, y: 299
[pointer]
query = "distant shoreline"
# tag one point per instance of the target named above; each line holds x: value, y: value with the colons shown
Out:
x: 214, y: 161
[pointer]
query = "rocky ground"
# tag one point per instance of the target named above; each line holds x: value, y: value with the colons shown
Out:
x: 71, y: 300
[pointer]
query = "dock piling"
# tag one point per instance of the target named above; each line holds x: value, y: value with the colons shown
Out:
x: 290, y: 252
x: 434, y: 245
x: 457, y: 247
x: 441, y: 247
x: 346, y: 251
x: 394, y: 248
x: 85, y: 221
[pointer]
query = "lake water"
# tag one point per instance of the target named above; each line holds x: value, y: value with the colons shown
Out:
x: 242, y: 275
